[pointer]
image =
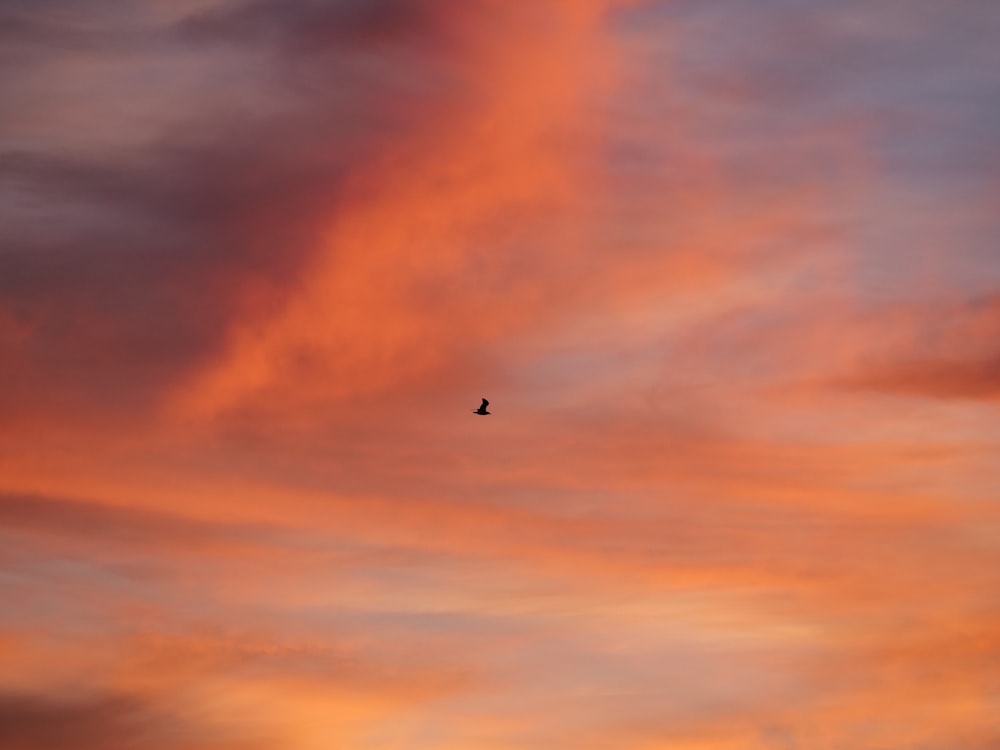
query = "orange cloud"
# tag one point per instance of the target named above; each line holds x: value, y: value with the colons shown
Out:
x: 245, y: 498
x: 451, y: 206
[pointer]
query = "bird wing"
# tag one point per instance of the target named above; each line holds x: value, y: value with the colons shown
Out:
x: 485, y: 404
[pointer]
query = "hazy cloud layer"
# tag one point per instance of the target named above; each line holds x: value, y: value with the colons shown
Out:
x: 726, y: 272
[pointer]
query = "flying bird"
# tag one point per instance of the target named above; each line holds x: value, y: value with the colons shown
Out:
x: 482, y: 408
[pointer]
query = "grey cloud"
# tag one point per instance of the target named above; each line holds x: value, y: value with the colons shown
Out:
x: 921, y: 77
x: 33, y: 722
x: 31, y: 32
x: 126, y: 265
x: 317, y: 26
x: 98, y: 721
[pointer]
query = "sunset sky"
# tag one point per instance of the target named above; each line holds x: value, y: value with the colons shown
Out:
x: 728, y: 272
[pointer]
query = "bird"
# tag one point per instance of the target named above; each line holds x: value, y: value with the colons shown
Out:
x: 482, y: 408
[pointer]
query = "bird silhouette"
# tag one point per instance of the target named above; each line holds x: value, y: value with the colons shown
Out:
x: 482, y: 408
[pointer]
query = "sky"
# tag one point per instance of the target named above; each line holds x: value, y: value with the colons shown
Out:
x: 727, y: 271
